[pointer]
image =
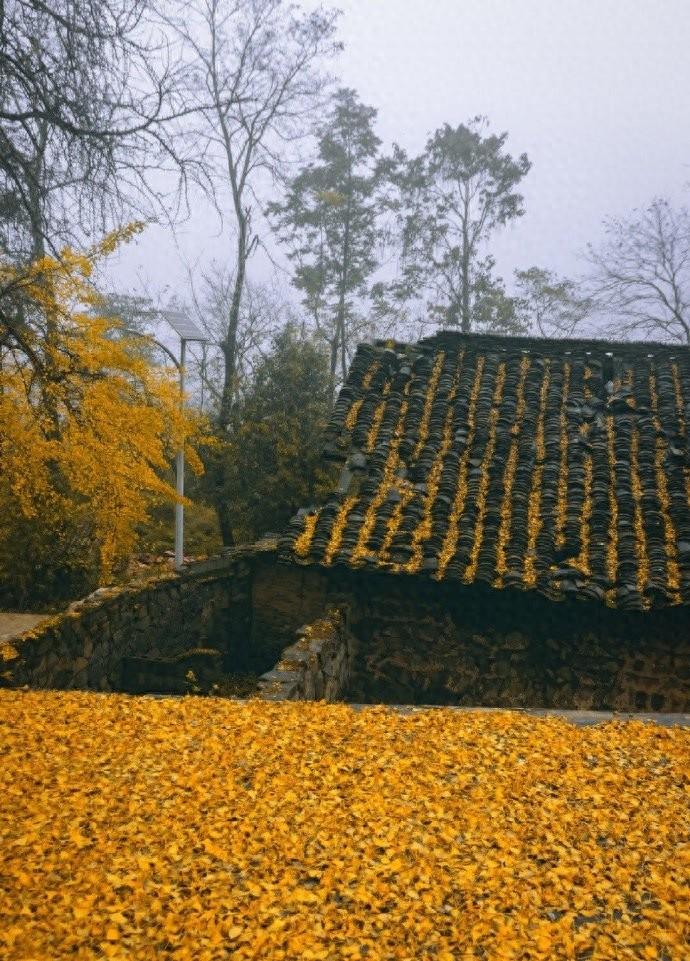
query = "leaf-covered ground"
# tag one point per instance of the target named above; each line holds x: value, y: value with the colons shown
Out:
x: 203, y: 829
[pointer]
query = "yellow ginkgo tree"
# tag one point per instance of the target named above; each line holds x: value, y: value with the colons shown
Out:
x: 88, y: 428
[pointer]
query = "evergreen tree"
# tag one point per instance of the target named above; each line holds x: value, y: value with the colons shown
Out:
x: 330, y: 222
x: 451, y: 199
x: 274, y: 455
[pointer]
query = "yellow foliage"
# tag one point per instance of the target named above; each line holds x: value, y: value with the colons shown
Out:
x: 353, y: 414
x: 682, y: 427
x: 303, y: 542
x: 534, y: 518
x: 338, y: 529
x: 406, y: 494
x: 670, y: 535
x: 428, y: 404
x: 612, y: 544
x: 88, y: 424
x: 505, y: 526
x: 370, y: 374
x: 638, y: 517
x: 406, y: 487
x: 562, y: 501
x: 205, y: 829
x: 387, y: 481
x: 471, y: 569
x: 332, y: 198
x: 423, y: 530
x: 678, y: 394
x: 451, y: 539
x: 373, y: 431
x: 581, y: 562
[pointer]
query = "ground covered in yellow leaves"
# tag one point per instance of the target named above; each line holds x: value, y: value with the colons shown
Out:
x: 207, y: 829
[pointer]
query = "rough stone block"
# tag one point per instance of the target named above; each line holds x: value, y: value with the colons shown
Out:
x: 282, y: 677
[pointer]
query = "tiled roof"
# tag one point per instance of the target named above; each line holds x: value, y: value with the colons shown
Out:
x: 560, y: 466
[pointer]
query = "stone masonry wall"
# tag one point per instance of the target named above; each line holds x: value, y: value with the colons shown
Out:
x: 417, y: 641
x: 285, y: 596
x: 205, y: 606
x: 505, y: 649
x: 317, y: 666
x: 423, y: 642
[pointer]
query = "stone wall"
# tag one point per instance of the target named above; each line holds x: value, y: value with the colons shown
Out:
x: 285, y: 596
x: 206, y: 606
x: 418, y: 641
x: 427, y: 643
x: 507, y: 649
x: 318, y: 666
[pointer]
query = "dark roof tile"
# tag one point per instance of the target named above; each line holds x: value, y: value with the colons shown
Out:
x: 560, y: 466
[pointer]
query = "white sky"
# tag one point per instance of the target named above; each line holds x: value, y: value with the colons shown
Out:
x: 597, y: 92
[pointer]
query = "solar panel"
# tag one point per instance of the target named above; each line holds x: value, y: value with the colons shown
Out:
x: 183, y: 326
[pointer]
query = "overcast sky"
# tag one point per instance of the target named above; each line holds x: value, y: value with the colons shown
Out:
x: 596, y: 92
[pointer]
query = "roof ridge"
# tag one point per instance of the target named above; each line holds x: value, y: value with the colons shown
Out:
x: 549, y: 345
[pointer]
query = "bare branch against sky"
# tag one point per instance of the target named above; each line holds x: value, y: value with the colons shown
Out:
x: 88, y: 94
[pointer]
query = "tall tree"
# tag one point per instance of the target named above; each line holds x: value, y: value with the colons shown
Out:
x: 462, y: 188
x: 640, y: 275
x: 88, y: 95
x: 263, y: 312
x: 330, y: 221
x: 254, y: 68
x: 274, y: 457
x: 549, y: 305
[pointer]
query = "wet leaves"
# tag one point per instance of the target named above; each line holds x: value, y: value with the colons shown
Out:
x: 207, y: 829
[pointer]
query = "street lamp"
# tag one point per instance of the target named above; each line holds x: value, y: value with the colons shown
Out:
x: 187, y: 331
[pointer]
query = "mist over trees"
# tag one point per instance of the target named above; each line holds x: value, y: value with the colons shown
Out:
x: 126, y: 112
x: 549, y: 305
x: 254, y: 73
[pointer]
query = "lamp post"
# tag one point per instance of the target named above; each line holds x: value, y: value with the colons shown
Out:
x: 187, y: 331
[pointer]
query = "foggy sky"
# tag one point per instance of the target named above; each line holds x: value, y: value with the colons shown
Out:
x: 596, y: 92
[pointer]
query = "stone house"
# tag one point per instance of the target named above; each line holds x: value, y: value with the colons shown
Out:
x: 511, y: 526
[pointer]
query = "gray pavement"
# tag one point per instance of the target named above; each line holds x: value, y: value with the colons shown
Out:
x: 11, y: 623
x: 578, y: 718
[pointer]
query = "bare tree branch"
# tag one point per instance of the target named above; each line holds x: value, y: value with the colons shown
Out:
x: 253, y: 69
x: 89, y: 99
x: 640, y: 276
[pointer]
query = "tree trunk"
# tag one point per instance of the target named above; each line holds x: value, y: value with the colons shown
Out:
x: 225, y: 523
x: 229, y: 349
x: 36, y: 200
x: 466, y: 320
x: 454, y: 313
x: 229, y: 344
x: 344, y: 275
x: 333, y: 366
